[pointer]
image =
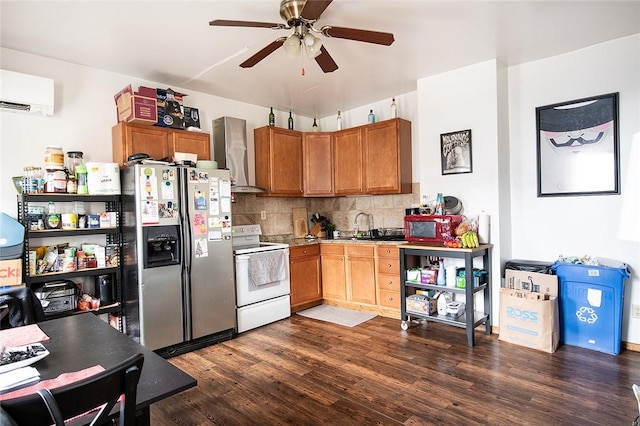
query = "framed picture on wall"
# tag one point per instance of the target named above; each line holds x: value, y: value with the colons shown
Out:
x: 577, y: 147
x: 455, y: 152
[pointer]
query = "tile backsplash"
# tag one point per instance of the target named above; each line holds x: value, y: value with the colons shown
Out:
x: 387, y: 210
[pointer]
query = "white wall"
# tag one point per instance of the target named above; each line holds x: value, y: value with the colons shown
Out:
x: 464, y: 99
x: 85, y: 112
x: 543, y: 228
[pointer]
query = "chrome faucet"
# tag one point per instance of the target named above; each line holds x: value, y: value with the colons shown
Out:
x: 369, y: 220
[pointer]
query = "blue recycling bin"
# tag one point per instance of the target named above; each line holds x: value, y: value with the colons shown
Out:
x: 591, y: 301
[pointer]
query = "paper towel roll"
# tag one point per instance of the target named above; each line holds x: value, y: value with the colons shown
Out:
x: 483, y: 227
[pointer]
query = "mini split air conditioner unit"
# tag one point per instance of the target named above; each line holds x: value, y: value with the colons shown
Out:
x: 26, y: 93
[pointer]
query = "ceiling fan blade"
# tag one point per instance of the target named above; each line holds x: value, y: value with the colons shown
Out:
x: 266, y: 51
x: 252, y: 24
x: 325, y: 61
x: 359, y: 35
x: 312, y: 9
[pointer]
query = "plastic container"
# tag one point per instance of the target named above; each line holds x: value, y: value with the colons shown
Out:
x: 55, y: 179
x: 529, y: 266
x: 53, y: 157
x: 81, y: 178
x: 591, y: 301
x: 74, y: 159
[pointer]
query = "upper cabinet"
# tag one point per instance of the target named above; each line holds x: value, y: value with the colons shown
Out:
x: 278, y: 161
x: 317, y: 152
x: 372, y: 159
x: 157, y: 142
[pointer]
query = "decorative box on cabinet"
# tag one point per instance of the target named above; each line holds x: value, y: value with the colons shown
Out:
x: 157, y: 142
x: 111, y: 235
x: 305, y: 275
x: 411, y: 255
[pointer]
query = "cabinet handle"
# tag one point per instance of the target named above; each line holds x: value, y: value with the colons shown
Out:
x: 389, y: 265
x: 390, y: 299
x: 304, y: 251
x: 390, y: 282
x: 388, y: 251
x: 341, y: 259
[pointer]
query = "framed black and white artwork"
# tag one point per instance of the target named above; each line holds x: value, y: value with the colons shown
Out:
x: 577, y: 147
x: 455, y: 152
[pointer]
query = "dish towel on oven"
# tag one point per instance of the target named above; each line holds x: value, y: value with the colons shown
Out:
x: 267, y: 267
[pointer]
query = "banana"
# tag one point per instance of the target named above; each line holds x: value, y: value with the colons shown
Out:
x: 465, y: 239
x: 475, y: 240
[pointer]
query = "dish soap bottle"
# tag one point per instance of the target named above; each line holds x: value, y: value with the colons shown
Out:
x: 290, y: 122
x: 441, y: 280
x: 272, y: 118
x: 339, y: 121
x: 372, y: 116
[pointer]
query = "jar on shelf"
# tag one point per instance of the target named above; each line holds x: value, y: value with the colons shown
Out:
x: 74, y: 159
x: 54, y: 157
x: 55, y: 179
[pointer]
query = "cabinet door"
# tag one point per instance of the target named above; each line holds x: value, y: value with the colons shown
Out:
x: 361, y: 274
x: 333, y: 277
x: 305, y: 276
x: 129, y: 139
x: 347, y: 160
x: 279, y: 161
x: 196, y: 143
x: 387, y: 157
x: 317, y: 149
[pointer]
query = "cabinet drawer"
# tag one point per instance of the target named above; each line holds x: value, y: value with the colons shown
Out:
x: 390, y: 251
x: 388, y: 266
x: 390, y: 299
x: 302, y: 251
x: 389, y: 282
x: 332, y: 249
x: 363, y: 250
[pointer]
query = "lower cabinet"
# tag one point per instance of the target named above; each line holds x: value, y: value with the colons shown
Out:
x: 362, y: 276
x: 388, y: 279
x: 305, y: 276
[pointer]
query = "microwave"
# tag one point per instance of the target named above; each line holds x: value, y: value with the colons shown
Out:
x: 430, y: 228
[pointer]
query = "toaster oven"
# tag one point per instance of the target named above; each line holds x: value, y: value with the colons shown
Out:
x: 430, y: 228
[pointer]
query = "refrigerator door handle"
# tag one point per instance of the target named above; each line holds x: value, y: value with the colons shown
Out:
x: 187, y: 242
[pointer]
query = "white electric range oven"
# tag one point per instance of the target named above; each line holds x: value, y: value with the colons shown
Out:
x: 262, y: 278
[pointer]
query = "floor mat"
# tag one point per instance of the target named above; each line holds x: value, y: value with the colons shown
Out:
x: 341, y: 316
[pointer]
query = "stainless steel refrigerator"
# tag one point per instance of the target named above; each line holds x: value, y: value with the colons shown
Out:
x: 178, y: 278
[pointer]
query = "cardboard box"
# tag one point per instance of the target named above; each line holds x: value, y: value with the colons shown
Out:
x: 11, y: 272
x: 136, y: 107
x: 529, y: 310
x: 421, y: 304
x: 191, y: 117
x: 170, y: 115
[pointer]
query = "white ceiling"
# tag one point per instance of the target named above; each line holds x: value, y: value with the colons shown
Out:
x: 171, y: 42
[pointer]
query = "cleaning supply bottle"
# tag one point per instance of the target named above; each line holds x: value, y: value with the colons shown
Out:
x: 441, y: 280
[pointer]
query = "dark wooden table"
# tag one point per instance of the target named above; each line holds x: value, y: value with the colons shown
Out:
x: 82, y: 341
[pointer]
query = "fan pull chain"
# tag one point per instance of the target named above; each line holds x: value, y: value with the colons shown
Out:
x: 302, y: 61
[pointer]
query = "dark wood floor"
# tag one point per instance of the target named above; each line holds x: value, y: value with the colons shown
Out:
x: 302, y: 371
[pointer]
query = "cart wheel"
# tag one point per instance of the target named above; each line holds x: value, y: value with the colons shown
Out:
x: 404, y: 325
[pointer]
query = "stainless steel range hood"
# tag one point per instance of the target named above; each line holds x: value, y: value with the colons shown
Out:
x: 230, y: 151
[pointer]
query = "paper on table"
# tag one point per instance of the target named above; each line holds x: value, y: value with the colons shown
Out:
x: 61, y: 380
x: 22, y: 336
x: 18, y: 377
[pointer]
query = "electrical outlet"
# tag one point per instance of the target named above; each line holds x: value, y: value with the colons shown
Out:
x: 635, y: 311
x: 263, y: 215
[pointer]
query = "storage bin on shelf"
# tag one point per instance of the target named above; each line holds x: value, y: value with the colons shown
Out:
x: 591, y: 305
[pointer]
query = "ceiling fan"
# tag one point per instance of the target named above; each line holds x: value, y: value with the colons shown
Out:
x: 300, y: 15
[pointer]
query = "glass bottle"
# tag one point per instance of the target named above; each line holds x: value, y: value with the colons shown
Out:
x: 272, y: 118
x: 372, y: 116
x: 314, y: 127
x: 394, y: 108
x: 290, y: 121
x: 52, y: 208
x: 339, y: 121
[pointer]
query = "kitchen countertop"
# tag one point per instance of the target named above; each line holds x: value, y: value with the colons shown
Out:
x: 293, y: 242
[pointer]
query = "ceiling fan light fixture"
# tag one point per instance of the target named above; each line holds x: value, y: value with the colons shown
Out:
x: 314, y: 50
x: 291, y: 45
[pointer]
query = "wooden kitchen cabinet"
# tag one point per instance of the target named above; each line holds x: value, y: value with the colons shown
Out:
x: 305, y: 276
x: 157, y: 142
x: 388, y: 278
x: 348, y: 273
x: 347, y: 162
x: 334, y: 276
x: 373, y: 159
x: 361, y: 278
x: 317, y: 151
x: 387, y: 157
x: 278, y: 161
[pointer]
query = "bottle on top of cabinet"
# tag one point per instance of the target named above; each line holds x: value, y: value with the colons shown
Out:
x: 339, y: 121
x: 290, y: 121
x: 272, y: 118
x: 394, y: 108
x: 372, y: 117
